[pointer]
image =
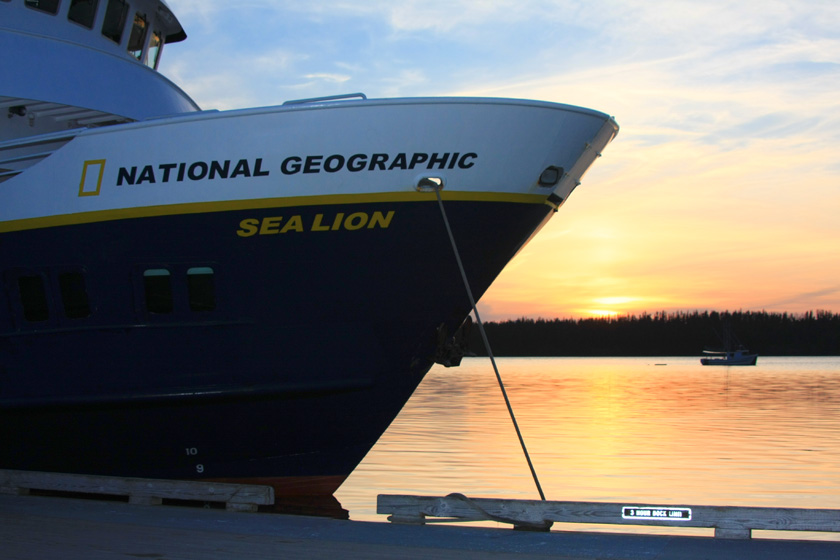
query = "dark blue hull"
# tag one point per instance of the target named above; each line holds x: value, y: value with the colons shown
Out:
x: 265, y: 345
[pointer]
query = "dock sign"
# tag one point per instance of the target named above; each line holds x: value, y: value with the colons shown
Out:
x: 656, y: 513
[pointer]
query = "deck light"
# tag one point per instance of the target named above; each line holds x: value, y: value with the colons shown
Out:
x: 429, y: 184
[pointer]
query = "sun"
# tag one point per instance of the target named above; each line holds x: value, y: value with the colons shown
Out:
x: 612, y: 306
x: 602, y: 313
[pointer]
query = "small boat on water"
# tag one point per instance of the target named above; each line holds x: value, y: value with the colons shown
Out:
x: 738, y: 357
x: 733, y: 353
x: 250, y: 295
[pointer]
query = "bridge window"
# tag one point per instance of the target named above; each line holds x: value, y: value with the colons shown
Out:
x: 74, y: 295
x: 33, y: 296
x: 157, y: 284
x: 138, y: 36
x: 115, y: 17
x: 83, y: 12
x: 49, y: 6
x: 202, y: 289
x: 155, y: 45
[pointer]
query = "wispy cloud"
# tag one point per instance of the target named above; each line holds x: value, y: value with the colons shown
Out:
x: 825, y: 298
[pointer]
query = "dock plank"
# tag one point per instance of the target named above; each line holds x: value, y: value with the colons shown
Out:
x: 140, y: 491
x: 727, y: 521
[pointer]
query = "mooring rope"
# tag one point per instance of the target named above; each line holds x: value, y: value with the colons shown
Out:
x: 487, y: 342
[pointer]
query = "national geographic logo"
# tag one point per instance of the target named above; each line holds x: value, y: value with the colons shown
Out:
x: 179, y: 172
x: 92, y: 172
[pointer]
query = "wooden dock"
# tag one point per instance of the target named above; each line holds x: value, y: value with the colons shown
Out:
x: 37, y: 528
x: 152, y: 521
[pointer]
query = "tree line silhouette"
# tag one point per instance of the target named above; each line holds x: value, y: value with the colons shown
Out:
x: 814, y: 333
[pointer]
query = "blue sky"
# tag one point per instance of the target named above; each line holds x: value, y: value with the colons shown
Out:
x: 722, y: 190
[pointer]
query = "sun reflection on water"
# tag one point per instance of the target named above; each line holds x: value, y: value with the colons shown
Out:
x: 616, y: 430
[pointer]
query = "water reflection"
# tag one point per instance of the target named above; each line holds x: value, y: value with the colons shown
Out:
x: 616, y: 429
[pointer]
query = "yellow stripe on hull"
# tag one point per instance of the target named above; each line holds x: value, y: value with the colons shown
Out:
x: 282, y: 202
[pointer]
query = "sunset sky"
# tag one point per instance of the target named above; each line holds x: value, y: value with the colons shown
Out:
x: 722, y: 190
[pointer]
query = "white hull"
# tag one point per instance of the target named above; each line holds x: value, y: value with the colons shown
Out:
x: 262, y: 157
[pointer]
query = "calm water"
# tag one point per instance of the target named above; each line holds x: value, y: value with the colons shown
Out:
x: 651, y: 430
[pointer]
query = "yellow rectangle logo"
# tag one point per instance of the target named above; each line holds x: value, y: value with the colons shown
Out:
x: 92, y: 177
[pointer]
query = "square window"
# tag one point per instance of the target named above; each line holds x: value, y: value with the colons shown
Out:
x: 202, y: 289
x: 83, y: 12
x: 157, y: 285
x: 115, y: 16
x: 137, y: 39
x: 74, y: 295
x: 155, y: 46
x: 49, y: 6
x: 33, y: 296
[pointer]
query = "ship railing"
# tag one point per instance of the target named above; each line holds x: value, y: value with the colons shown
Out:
x: 18, y: 155
x: 341, y: 97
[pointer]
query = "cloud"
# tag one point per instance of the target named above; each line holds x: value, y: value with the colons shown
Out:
x: 817, y: 299
x: 337, y: 78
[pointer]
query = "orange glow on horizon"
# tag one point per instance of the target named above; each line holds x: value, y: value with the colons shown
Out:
x: 602, y: 313
x: 614, y: 300
x: 651, y: 229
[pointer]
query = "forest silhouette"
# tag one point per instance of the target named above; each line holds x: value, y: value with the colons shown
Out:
x: 814, y: 333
